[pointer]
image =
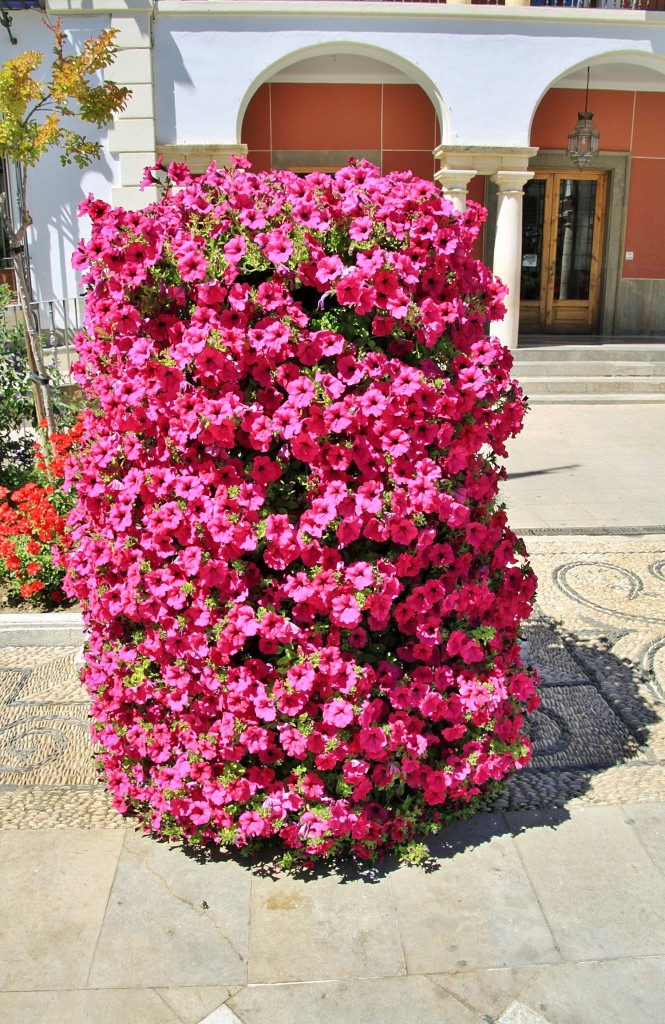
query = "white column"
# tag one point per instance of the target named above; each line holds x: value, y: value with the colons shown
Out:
x: 454, y: 185
x: 508, y: 248
x: 132, y: 134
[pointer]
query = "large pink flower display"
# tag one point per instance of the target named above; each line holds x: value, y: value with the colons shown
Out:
x: 303, y: 598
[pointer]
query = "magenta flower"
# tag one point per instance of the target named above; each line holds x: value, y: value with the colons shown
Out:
x: 338, y: 713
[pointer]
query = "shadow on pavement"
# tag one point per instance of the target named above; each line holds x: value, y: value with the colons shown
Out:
x: 594, y: 718
x: 543, y: 472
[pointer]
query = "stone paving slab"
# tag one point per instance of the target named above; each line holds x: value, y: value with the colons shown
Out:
x: 607, y: 992
x: 323, y: 928
x: 195, y: 1004
x: 613, y: 904
x: 481, y: 933
x: 118, y: 1006
x: 488, y: 992
x: 648, y: 821
x: 518, y: 1013
x: 579, y: 466
x: 172, y: 921
x: 478, y: 910
x: 121, y: 1006
x: 55, y: 888
x: 412, y: 1000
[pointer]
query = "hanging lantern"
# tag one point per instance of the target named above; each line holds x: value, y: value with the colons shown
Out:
x: 583, y: 140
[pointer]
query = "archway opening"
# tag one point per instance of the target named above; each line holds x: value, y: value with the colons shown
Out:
x: 321, y: 110
x: 612, y: 248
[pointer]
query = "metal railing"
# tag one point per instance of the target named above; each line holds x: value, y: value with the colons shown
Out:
x: 605, y: 5
x: 59, y: 320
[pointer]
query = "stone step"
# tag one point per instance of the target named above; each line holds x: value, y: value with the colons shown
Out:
x: 597, y: 398
x: 538, y: 385
x: 588, y: 368
x: 638, y: 353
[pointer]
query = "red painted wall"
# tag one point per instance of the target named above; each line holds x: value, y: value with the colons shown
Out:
x: 476, y: 192
x: 628, y: 122
x: 397, y: 120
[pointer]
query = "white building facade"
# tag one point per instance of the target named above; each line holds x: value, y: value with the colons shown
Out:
x: 480, y: 96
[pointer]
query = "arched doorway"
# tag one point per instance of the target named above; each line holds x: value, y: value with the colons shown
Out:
x: 321, y: 110
x: 587, y: 241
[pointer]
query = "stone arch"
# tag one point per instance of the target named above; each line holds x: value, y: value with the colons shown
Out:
x: 627, y: 98
x: 602, y: 67
x: 383, y: 56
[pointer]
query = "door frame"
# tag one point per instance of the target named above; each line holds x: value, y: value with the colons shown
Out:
x: 618, y: 166
x: 558, y: 315
x: 616, y: 203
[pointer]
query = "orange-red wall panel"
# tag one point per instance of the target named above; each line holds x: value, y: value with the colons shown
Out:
x: 256, y: 123
x: 323, y: 115
x: 408, y: 118
x: 476, y: 192
x: 476, y: 189
x: 649, y: 127
x: 421, y: 162
x: 397, y: 119
x: 559, y: 108
x: 260, y: 159
x: 645, y: 226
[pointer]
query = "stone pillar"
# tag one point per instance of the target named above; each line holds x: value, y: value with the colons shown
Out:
x: 508, y: 248
x: 132, y: 134
x: 454, y: 185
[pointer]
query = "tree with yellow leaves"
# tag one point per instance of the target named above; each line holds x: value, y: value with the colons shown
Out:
x: 40, y: 113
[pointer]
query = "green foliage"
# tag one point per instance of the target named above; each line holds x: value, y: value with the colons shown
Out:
x: 32, y: 526
x: 415, y: 853
x: 32, y: 109
x: 17, y: 413
x: 16, y: 407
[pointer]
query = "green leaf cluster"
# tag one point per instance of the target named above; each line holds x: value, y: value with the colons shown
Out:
x: 34, y: 110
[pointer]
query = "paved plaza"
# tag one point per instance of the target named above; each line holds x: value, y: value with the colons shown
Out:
x: 592, y: 467
x: 546, y: 908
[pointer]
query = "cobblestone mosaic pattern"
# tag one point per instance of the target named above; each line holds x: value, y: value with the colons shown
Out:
x: 597, y: 637
x: 47, y: 770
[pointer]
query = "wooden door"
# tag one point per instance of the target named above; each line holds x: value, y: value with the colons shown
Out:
x: 563, y: 228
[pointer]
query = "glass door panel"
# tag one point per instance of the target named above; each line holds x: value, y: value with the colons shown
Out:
x: 533, y: 221
x: 574, y: 244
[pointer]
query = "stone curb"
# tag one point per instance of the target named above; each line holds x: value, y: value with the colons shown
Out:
x: 47, y: 629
